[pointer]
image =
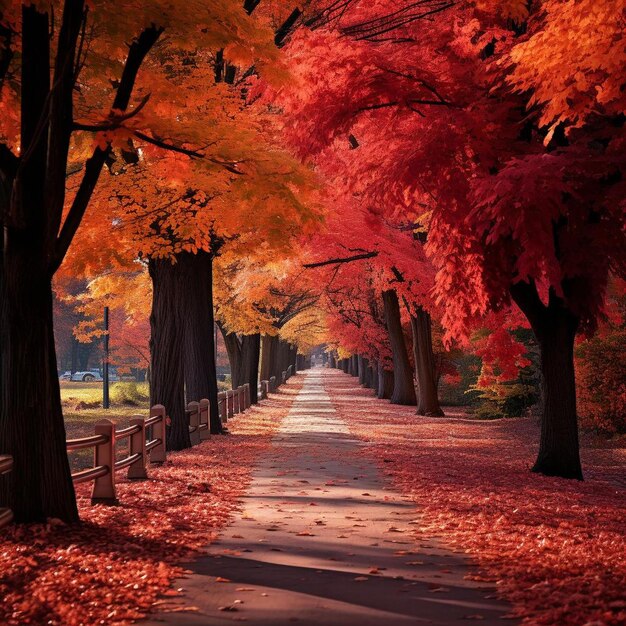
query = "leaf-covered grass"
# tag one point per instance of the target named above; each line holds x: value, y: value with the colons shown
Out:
x: 112, y: 568
x: 555, y: 548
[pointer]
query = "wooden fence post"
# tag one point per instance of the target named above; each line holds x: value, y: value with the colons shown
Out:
x: 248, y: 399
x: 222, y: 401
x: 205, y: 410
x: 104, y: 456
x: 272, y: 383
x: 265, y: 387
x: 284, y: 378
x: 236, y: 408
x: 137, y: 470
x: 158, y: 453
x: 240, y: 399
x: 230, y: 404
x: 194, y: 422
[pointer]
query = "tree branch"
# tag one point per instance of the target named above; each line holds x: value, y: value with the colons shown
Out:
x: 115, y: 121
x: 168, y: 146
x: 136, y: 55
x: 348, y: 259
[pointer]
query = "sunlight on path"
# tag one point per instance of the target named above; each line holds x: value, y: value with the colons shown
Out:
x: 322, y: 540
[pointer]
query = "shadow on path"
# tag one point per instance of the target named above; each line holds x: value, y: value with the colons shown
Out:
x: 322, y: 539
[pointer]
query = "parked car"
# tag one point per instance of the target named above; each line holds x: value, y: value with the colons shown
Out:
x: 88, y: 376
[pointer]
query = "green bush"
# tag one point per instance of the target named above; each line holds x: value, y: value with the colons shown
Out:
x: 130, y: 393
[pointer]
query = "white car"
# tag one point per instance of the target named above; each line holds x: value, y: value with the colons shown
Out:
x: 87, y: 376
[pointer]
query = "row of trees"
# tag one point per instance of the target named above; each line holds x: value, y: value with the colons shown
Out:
x: 449, y: 165
x: 493, y: 133
x: 104, y: 127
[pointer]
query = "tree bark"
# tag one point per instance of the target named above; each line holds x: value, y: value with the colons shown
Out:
x: 385, y: 382
x: 32, y: 430
x: 555, y: 328
x: 250, y: 349
x: 428, y: 399
x: 196, y: 302
x: 166, y: 350
x: 269, y: 346
x: 403, y: 391
x: 233, y: 348
x: 361, y: 365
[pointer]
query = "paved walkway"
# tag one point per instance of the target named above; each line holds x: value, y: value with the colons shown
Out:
x: 321, y: 539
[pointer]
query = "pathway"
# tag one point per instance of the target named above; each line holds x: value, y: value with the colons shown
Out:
x: 322, y: 539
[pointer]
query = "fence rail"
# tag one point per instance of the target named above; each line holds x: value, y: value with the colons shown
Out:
x: 146, y: 441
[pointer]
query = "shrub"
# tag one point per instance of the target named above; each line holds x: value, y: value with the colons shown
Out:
x: 601, y: 382
x: 130, y: 393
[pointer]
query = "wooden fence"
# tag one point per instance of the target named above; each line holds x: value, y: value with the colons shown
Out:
x: 146, y: 443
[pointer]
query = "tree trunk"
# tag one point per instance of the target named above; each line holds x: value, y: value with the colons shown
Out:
x: 250, y: 350
x: 371, y: 379
x: 428, y: 399
x: 555, y: 328
x: 166, y: 350
x: 32, y: 430
x: 361, y: 365
x: 196, y: 302
x: 345, y: 366
x: 385, y: 382
x: 269, y: 346
x: 233, y: 348
x: 403, y: 391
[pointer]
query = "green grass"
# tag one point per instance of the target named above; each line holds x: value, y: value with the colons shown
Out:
x: 80, y: 416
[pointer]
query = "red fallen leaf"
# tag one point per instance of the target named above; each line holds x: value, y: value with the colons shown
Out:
x: 304, y: 533
x: 361, y: 578
x: 228, y: 608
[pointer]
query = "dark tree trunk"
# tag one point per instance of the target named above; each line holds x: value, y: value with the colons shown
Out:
x: 403, y: 391
x: 233, y: 348
x: 361, y: 365
x: 385, y: 382
x: 428, y: 399
x: 281, y: 362
x: 555, y: 328
x: 36, y: 236
x: 371, y: 379
x: 166, y: 350
x: 345, y: 366
x: 269, y: 346
x: 196, y: 304
x: 32, y: 430
x: 250, y: 350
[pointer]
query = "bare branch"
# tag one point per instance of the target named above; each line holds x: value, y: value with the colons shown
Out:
x: 348, y: 259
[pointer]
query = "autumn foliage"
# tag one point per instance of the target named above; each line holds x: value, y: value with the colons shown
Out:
x: 407, y: 187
